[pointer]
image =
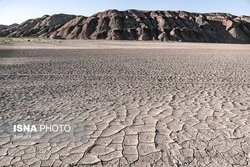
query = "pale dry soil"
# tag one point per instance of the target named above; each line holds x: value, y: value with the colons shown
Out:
x: 129, y: 104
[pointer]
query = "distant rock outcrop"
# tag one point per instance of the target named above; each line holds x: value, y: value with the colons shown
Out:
x: 40, y: 27
x: 3, y: 27
x: 138, y: 25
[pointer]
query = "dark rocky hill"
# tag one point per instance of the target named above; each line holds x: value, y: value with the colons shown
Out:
x: 2, y: 27
x: 138, y: 25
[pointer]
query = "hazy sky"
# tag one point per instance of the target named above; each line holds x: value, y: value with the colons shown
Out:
x: 17, y: 11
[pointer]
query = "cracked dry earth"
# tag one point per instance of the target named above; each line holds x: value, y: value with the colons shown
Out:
x: 177, y: 107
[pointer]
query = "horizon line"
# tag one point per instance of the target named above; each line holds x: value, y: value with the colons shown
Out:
x: 143, y: 10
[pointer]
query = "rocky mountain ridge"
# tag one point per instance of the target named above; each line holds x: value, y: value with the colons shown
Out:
x: 137, y: 25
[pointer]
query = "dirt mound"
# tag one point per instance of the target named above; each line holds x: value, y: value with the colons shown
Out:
x: 138, y: 25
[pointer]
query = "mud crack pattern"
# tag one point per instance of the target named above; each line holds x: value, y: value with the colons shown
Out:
x: 157, y: 107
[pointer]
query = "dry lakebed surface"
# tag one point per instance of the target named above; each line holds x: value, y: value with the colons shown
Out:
x: 127, y: 103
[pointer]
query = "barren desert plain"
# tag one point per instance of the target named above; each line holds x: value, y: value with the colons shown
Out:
x: 128, y: 103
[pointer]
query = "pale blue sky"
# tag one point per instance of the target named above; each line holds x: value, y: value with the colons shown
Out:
x: 17, y: 11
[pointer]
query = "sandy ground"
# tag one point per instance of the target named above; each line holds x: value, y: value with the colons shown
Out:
x: 128, y: 103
